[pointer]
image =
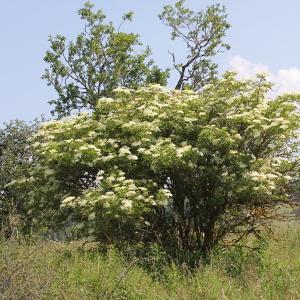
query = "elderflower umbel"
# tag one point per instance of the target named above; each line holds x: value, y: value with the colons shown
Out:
x: 126, y: 204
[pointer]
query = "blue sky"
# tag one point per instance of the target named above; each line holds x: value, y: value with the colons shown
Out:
x: 264, y: 37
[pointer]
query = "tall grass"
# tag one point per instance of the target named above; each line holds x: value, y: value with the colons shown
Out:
x: 38, y: 269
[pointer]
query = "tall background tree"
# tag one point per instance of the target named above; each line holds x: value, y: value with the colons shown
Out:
x: 100, y: 59
x: 103, y: 57
x: 203, y: 33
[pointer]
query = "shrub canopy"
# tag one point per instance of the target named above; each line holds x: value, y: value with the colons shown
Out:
x: 172, y: 165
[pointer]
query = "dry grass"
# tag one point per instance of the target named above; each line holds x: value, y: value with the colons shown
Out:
x: 36, y: 269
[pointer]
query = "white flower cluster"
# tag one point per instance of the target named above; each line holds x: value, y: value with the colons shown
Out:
x: 121, y: 92
x: 264, y: 181
x: 68, y: 202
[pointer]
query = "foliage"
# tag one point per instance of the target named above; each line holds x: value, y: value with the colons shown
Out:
x: 103, y: 58
x: 178, y: 167
x: 100, y: 59
x: 203, y: 33
x: 15, y: 158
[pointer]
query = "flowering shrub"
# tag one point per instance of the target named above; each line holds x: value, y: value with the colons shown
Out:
x: 181, y: 166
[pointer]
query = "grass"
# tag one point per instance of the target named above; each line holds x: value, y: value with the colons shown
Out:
x: 38, y: 269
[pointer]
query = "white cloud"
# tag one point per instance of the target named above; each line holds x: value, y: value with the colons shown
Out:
x: 285, y: 80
